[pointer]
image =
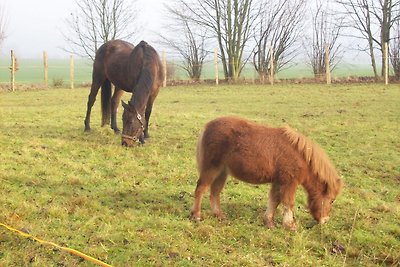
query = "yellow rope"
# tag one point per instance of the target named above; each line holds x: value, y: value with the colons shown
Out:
x: 70, y: 250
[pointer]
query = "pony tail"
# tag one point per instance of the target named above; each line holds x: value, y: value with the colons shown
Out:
x: 105, y: 102
x: 315, y: 157
x: 200, y: 152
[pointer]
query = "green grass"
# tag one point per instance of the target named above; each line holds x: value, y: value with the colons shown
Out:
x: 130, y: 206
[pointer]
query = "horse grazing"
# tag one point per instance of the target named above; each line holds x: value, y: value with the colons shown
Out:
x: 132, y: 69
x: 260, y: 154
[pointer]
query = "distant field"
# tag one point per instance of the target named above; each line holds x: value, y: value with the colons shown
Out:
x: 31, y: 71
x: 131, y: 206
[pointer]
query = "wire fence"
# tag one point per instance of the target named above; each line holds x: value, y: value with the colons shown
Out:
x: 45, y: 72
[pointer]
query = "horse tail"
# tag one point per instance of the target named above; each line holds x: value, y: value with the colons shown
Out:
x: 200, y: 152
x: 106, y: 102
x: 316, y: 158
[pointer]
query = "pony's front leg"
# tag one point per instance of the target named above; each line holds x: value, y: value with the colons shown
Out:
x: 287, y: 198
x: 273, y: 202
x: 288, y: 219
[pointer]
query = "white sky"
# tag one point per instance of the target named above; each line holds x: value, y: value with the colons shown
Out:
x: 35, y: 26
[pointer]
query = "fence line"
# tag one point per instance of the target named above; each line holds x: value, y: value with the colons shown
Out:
x: 169, y: 70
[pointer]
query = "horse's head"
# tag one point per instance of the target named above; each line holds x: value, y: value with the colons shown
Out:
x: 320, y: 204
x: 133, y: 125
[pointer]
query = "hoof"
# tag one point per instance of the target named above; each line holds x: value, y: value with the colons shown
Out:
x: 220, y: 216
x: 290, y: 226
x: 195, y: 217
x: 117, y: 131
x: 141, y: 140
x: 269, y: 223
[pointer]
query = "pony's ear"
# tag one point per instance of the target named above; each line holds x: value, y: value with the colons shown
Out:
x: 125, y: 105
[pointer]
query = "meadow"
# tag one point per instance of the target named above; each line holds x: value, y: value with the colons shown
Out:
x: 131, y: 206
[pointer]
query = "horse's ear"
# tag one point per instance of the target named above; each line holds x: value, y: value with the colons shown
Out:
x: 125, y: 105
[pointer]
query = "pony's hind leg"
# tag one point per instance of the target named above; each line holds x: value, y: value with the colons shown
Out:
x: 216, y: 188
x: 115, y: 100
x: 206, y: 179
x: 273, y: 202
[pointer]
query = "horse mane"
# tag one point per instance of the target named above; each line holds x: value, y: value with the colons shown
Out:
x: 316, y: 158
x: 146, y: 78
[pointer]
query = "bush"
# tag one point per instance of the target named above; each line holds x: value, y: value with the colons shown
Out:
x: 58, y: 82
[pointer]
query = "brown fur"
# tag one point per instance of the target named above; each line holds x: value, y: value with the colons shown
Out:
x: 259, y: 154
x: 137, y: 70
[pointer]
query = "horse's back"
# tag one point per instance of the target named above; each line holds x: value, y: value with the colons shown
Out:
x: 111, y: 61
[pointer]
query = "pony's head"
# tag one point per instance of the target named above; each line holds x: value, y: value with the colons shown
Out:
x: 133, y: 125
x: 320, y: 203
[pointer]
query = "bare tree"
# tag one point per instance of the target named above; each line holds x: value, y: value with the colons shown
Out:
x: 279, y: 28
x: 190, y: 43
x: 96, y: 22
x: 372, y: 19
x: 325, y: 33
x: 230, y: 22
x: 3, y: 25
x: 395, y: 50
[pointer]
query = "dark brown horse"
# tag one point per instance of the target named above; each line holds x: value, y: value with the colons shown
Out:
x: 259, y: 154
x: 132, y: 69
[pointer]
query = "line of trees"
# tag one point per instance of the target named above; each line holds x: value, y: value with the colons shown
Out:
x: 273, y: 31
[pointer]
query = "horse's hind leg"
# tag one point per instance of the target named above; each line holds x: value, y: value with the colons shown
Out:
x: 91, y: 99
x: 273, y: 202
x: 206, y: 179
x: 216, y: 188
x: 115, y: 100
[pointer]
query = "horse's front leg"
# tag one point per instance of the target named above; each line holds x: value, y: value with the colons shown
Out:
x: 115, y: 100
x: 147, y: 114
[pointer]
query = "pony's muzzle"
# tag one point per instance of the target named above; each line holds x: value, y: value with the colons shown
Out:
x: 324, y: 220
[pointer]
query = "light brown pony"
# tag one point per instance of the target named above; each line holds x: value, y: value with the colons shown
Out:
x: 259, y: 154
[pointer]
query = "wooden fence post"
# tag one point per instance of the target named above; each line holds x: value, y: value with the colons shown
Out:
x: 271, y: 66
x: 71, y: 71
x: 216, y: 66
x: 327, y: 66
x: 46, y: 69
x: 164, y: 63
x: 12, y: 68
x: 386, y: 58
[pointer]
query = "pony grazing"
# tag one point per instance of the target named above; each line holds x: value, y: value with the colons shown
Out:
x: 260, y: 154
x: 132, y: 69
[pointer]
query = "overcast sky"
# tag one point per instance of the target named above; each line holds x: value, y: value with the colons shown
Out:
x: 35, y: 26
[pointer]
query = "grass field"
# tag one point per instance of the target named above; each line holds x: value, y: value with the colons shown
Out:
x: 130, y: 206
